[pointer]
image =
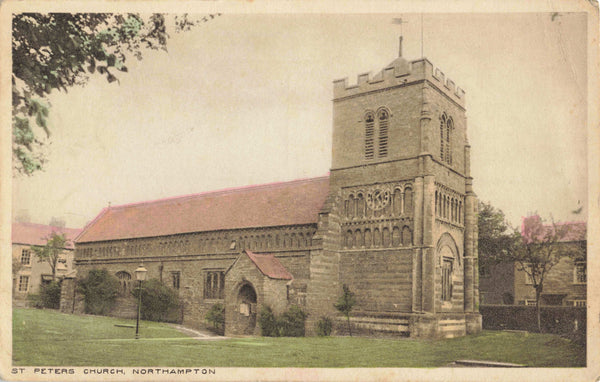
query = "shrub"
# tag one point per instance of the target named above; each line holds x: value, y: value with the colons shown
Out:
x: 159, y: 302
x: 291, y: 322
x: 216, y: 317
x: 35, y: 300
x: 267, y: 322
x: 50, y: 295
x: 324, y: 326
x: 100, y: 290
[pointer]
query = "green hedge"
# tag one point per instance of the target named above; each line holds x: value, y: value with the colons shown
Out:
x: 159, y: 302
x: 289, y: 324
x: 100, y: 290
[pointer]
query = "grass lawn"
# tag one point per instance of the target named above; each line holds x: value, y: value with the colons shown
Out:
x: 45, y: 337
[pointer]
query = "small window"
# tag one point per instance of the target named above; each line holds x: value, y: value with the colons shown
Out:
x: 23, y: 283
x: 214, y: 285
x: 176, y: 278
x: 580, y: 272
x: 26, y: 257
x: 579, y: 303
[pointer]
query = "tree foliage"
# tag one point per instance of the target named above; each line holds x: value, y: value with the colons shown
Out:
x: 100, y: 290
x: 345, y: 304
x: 496, y: 239
x: 55, y: 51
x: 541, y: 247
x: 50, y: 253
x: 216, y: 317
x: 159, y: 302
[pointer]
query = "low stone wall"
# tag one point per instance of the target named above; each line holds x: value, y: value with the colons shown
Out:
x: 554, y: 319
x: 444, y: 325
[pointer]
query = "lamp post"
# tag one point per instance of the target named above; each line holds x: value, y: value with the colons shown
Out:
x: 140, y: 275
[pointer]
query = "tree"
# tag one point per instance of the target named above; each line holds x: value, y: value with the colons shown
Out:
x: 496, y: 238
x: 345, y: 304
x: 540, y: 248
x: 216, y: 317
x: 50, y: 253
x: 159, y: 302
x: 100, y: 290
x: 55, y: 51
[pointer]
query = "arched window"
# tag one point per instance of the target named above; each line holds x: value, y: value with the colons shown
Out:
x: 368, y: 238
x: 386, y: 237
x: 397, y: 202
x: 369, y: 135
x: 443, y: 119
x: 360, y: 210
x: 376, y: 238
x: 406, y: 236
x: 349, y: 239
x: 396, y: 237
x: 383, y: 117
x: 124, y: 282
x: 446, y: 128
x: 351, y: 207
x: 408, y: 201
x: 449, y: 128
x: 358, y: 239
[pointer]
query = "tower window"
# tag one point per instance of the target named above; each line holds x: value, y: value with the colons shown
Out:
x: 383, y: 117
x: 369, y: 135
x: 446, y: 128
x: 376, y: 134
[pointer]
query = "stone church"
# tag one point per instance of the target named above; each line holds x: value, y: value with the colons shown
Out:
x: 395, y: 221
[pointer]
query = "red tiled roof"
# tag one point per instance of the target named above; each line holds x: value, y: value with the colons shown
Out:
x: 269, y: 266
x: 533, y: 227
x: 36, y: 234
x: 277, y: 204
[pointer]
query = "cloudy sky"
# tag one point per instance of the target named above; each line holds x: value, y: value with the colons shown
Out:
x: 246, y: 99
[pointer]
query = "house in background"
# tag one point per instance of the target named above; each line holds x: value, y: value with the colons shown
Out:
x: 564, y: 285
x: 29, y: 272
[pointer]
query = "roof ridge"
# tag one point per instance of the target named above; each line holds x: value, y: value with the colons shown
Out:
x: 44, y: 225
x: 224, y: 191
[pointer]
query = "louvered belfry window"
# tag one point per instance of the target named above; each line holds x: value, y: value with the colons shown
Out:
x: 369, y: 135
x: 376, y: 134
x: 383, y: 117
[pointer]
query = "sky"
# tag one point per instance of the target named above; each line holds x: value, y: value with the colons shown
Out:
x: 246, y: 99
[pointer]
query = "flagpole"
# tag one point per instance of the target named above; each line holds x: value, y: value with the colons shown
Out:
x: 421, y: 35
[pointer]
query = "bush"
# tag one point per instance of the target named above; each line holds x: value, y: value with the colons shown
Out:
x: 267, y: 322
x: 291, y: 322
x: 159, y: 302
x: 216, y: 317
x: 50, y: 295
x: 324, y: 326
x: 100, y: 290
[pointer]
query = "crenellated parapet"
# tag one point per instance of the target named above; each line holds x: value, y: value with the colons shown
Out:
x: 400, y: 73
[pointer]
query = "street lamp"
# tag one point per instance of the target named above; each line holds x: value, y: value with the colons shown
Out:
x: 140, y: 275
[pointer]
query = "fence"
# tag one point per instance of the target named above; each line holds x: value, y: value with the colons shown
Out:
x: 554, y: 319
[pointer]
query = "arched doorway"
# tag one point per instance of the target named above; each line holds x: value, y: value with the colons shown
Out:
x: 247, y: 309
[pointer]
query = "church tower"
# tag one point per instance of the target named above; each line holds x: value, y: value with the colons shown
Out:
x: 399, y: 228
